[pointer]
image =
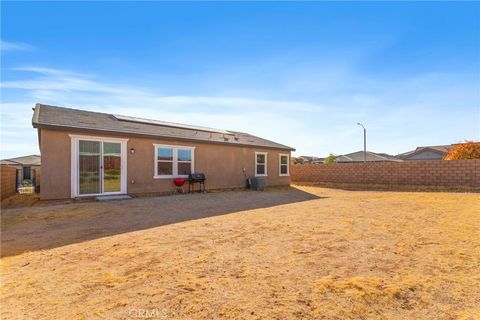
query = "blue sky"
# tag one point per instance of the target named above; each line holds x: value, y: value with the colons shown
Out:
x: 302, y: 74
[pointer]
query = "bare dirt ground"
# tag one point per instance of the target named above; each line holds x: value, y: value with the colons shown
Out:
x: 306, y: 253
x: 20, y: 200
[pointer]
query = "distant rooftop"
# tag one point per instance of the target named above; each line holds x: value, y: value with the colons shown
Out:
x: 359, y: 156
x: 61, y: 118
x: 441, y: 149
x: 30, y: 160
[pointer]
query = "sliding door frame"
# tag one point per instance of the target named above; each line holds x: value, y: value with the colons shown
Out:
x: 74, y: 170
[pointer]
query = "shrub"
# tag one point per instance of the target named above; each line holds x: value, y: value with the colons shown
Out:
x: 332, y: 158
x: 467, y: 150
x: 26, y: 183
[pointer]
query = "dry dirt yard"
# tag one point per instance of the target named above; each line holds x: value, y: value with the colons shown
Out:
x: 297, y: 253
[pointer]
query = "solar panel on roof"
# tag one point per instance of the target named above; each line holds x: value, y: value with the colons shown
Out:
x: 170, y: 124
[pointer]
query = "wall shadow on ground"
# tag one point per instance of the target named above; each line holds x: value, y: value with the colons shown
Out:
x: 48, y: 226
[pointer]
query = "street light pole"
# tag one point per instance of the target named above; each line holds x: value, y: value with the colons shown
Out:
x: 364, y: 142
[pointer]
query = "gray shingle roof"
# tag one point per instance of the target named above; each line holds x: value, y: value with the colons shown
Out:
x: 31, y: 160
x: 441, y: 149
x: 371, y: 157
x: 60, y: 118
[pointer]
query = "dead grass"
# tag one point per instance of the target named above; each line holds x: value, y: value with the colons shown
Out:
x: 346, y: 255
x: 20, y: 200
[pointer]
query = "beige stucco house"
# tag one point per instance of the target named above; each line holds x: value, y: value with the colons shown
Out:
x: 92, y: 154
x: 426, y: 153
x: 27, y: 168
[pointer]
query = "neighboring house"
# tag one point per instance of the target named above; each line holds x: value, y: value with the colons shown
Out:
x: 309, y: 159
x: 426, y: 153
x: 359, y: 156
x: 89, y: 153
x: 28, y: 168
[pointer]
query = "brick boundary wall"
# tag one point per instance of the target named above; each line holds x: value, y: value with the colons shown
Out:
x: 8, y: 181
x: 424, y: 172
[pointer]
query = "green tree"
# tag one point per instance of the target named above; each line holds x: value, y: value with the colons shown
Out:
x: 332, y: 158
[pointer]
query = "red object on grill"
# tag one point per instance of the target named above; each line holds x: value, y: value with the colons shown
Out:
x: 179, y: 182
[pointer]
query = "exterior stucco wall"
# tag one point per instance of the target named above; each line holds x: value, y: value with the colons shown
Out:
x: 55, y: 149
x: 222, y: 164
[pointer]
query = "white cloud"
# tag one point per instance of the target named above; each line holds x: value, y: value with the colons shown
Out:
x: 16, y: 134
x: 16, y: 148
x: 262, y: 117
x: 15, y: 46
x: 54, y: 84
x: 399, y: 114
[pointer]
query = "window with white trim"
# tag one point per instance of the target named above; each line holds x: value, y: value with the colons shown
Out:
x: 260, y: 163
x: 284, y: 169
x: 173, y: 161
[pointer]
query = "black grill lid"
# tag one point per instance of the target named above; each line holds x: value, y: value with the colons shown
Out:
x: 196, y: 176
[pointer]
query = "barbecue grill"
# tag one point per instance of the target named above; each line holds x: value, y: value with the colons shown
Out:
x: 179, y: 182
x: 196, y: 177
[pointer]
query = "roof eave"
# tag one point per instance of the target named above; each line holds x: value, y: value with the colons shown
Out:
x: 36, y: 114
x: 38, y: 125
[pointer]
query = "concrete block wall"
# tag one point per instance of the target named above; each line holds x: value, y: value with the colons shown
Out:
x: 422, y: 172
x: 8, y: 181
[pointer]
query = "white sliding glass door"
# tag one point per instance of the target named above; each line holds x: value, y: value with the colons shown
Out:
x: 89, y: 167
x: 98, y: 166
x: 112, y: 167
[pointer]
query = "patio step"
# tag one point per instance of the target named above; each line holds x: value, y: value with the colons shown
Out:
x: 113, y: 197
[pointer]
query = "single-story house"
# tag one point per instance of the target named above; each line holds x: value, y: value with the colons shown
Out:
x: 88, y: 153
x: 359, y: 156
x: 28, y: 168
x: 426, y: 153
x: 309, y: 159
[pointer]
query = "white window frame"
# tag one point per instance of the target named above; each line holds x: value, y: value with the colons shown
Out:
x: 280, y: 165
x: 175, y: 161
x: 74, y: 165
x: 266, y: 161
